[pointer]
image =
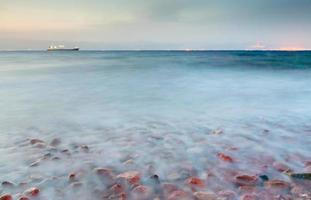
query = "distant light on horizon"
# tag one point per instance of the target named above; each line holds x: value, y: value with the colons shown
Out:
x: 292, y: 49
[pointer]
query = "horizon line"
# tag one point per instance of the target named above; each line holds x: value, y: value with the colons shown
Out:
x: 184, y: 50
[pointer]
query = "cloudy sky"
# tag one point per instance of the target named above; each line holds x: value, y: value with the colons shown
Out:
x: 156, y: 24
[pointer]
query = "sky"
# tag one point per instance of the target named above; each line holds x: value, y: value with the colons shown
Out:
x: 156, y: 24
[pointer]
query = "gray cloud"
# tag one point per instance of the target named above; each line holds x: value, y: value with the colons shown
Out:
x: 176, y: 23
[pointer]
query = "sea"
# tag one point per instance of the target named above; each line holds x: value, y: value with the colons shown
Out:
x: 172, y: 115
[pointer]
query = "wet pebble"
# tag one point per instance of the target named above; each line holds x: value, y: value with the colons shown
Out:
x: 245, y: 180
x: 217, y: 132
x: 66, y: 151
x: 56, y: 158
x: 72, y: 176
x: 132, y: 177
x: 85, y: 148
x: 55, y: 142
x: 103, y: 171
x: 23, y: 198
x: 6, y: 197
x: 7, y: 184
x: 195, y: 181
x: 264, y: 177
x: 307, y: 163
x: 36, y: 141
x: 277, y: 184
x: 117, y: 189
x: 225, y: 157
x: 33, y: 192
x: 155, y: 179
x: 205, y: 196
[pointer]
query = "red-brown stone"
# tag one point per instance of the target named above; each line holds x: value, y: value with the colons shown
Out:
x: 32, y: 192
x: 225, y: 157
x: 72, y: 176
x: 277, y: 184
x: 245, y: 180
x: 132, y: 177
x: 195, y: 181
x: 6, y: 197
x: 117, y: 188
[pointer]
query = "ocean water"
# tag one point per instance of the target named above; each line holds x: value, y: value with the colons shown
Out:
x: 168, y: 113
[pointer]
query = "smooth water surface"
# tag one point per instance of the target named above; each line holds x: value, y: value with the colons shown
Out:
x: 157, y: 109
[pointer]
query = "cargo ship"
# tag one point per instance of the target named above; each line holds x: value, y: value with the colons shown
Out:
x: 62, y: 48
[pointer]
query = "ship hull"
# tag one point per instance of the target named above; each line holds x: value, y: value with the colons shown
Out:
x: 74, y: 49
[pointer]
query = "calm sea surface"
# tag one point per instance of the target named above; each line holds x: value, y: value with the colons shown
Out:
x: 157, y: 109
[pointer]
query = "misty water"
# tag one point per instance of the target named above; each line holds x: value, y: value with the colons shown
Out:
x: 167, y: 113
